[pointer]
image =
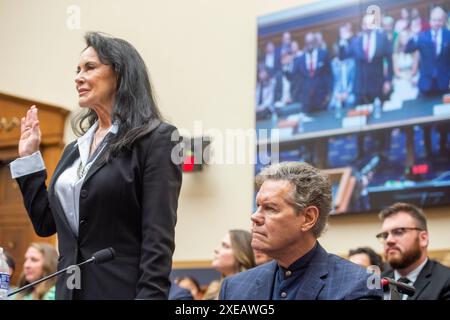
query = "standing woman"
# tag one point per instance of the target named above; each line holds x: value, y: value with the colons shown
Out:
x: 115, y: 186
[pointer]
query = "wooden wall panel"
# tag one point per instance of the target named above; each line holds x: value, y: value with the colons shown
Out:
x: 16, y: 230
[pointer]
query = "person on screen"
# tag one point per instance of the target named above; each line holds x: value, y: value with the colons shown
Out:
x: 283, y: 90
x: 371, y: 49
x: 404, y: 22
x: 295, y: 49
x: 271, y: 59
x: 321, y: 41
x: 405, y: 238
x: 293, y: 204
x: 344, y: 76
x: 372, y: 52
x: 405, y: 70
x: 285, y: 46
x: 314, y: 69
x: 387, y: 23
x: 417, y: 23
x: 265, y: 94
x: 115, y: 186
x: 40, y: 261
x: 434, y: 48
x: 295, y: 78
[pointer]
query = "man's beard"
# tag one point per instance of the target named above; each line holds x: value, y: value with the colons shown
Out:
x: 406, y: 258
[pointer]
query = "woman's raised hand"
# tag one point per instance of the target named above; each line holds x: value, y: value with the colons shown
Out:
x: 30, y: 133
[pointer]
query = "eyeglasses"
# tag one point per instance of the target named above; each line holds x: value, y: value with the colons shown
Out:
x: 396, y: 233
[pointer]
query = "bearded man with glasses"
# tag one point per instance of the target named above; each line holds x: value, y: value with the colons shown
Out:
x: 404, y: 235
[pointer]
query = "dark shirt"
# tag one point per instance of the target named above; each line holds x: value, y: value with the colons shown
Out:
x: 287, y: 280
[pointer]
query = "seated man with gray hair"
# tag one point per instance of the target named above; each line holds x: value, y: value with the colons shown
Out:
x: 293, y: 204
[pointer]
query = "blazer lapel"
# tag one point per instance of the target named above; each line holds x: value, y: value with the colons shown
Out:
x: 98, y: 164
x: 423, y: 280
x: 303, y: 68
x: 429, y: 40
x: 100, y: 159
x: 67, y: 159
x: 264, y: 282
x: 360, y: 47
x: 313, y: 282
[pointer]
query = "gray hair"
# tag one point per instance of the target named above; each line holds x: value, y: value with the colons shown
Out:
x: 311, y: 188
x: 439, y: 10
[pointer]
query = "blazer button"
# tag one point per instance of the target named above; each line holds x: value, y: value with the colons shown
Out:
x: 83, y: 193
x: 83, y: 222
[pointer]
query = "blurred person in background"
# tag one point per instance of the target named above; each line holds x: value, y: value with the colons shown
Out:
x: 233, y: 255
x: 40, y: 261
x: 366, y: 257
x: 405, y: 238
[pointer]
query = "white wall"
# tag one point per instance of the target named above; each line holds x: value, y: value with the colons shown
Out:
x: 201, y: 57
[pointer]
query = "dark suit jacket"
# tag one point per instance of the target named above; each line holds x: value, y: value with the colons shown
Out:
x: 433, y: 282
x: 370, y: 76
x: 315, y: 91
x: 432, y: 66
x: 328, y: 277
x: 129, y: 204
x: 295, y: 77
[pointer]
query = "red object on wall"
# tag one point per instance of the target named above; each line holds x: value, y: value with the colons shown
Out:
x: 188, y: 164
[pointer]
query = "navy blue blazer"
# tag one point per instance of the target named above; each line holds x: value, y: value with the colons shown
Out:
x: 295, y: 77
x: 432, y: 66
x: 315, y: 91
x: 328, y: 277
x: 370, y: 75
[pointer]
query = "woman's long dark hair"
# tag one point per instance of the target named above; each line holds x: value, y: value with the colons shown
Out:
x: 135, y: 110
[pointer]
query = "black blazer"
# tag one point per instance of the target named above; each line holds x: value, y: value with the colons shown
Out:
x: 370, y: 76
x: 130, y: 204
x: 433, y: 282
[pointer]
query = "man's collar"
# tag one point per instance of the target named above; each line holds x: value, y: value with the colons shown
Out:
x: 412, y: 276
x: 301, y: 262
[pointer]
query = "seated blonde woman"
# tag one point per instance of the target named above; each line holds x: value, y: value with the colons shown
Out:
x: 40, y: 260
x: 233, y: 255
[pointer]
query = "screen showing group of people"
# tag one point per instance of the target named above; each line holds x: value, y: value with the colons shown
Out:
x: 362, y: 89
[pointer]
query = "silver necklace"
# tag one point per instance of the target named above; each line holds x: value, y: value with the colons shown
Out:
x: 81, y: 170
